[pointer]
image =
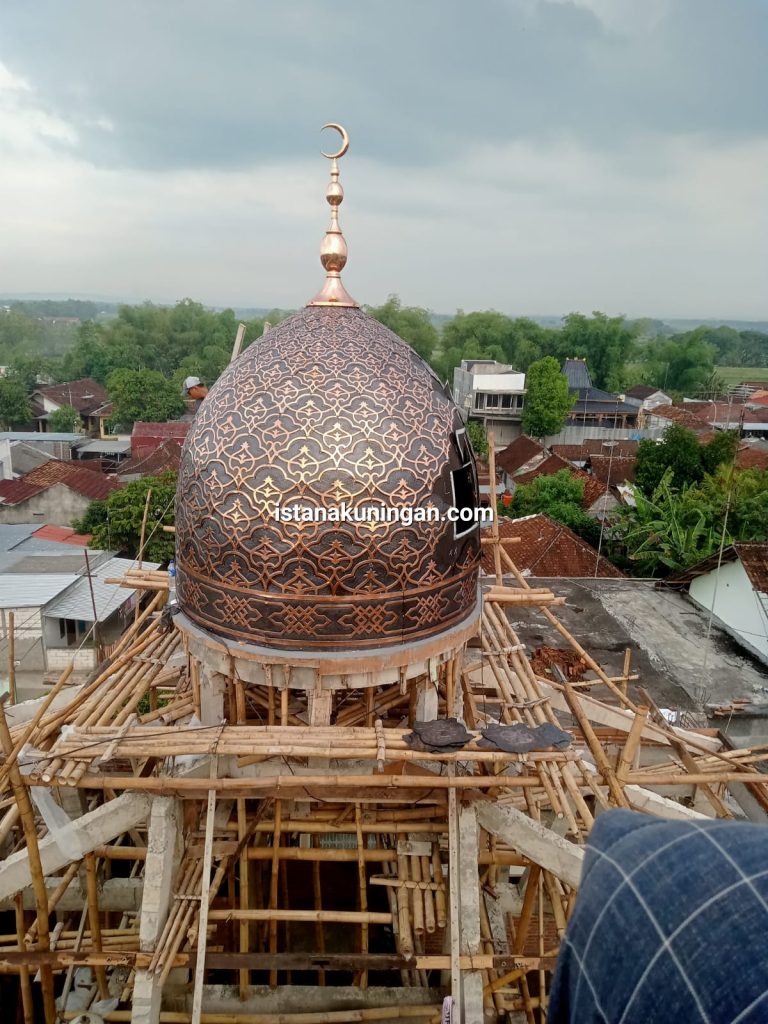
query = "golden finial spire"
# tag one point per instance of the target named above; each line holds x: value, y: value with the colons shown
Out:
x: 333, y: 251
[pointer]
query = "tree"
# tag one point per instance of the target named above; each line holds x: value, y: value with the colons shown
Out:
x: 64, y: 420
x: 682, y: 364
x: 32, y: 371
x: 606, y: 342
x: 477, y: 438
x: 666, y: 531
x: 558, y: 495
x: 721, y: 450
x: 411, y: 323
x: 547, y: 401
x: 142, y: 395
x: 15, y: 410
x: 678, y: 452
x: 116, y: 522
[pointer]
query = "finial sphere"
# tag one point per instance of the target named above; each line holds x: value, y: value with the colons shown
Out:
x: 344, y: 141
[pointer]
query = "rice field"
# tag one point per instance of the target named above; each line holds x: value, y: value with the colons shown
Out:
x: 733, y: 375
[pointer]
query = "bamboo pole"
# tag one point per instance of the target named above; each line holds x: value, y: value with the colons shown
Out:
x: 324, y: 916
x: 273, y: 884
x: 12, y: 656
x: 202, y: 928
x: 603, y: 765
x: 27, y: 816
x: 243, y: 894
x: 25, y: 984
x: 492, y: 503
x: 92, y: 894
x: 363, y: 886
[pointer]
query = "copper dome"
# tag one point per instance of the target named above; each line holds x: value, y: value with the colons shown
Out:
x: 329, y: 407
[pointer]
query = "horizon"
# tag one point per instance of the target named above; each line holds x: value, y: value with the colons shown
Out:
x: 549, y: 154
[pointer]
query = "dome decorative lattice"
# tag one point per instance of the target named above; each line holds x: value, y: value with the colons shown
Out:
x: 329, y: 407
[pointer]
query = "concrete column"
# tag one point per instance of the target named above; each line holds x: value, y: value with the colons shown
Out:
x: 319, y: 705
x: 426, y: 700
x: 163, y: 856
x: 469, y: 936
x: 212, y: 690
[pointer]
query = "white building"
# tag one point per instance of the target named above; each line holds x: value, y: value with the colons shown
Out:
x: 493, y: 394
x: 736, y: 593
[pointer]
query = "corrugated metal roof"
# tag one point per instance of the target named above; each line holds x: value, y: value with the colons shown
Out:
x: 115, y: 447
x: 32, y: 590
x: 39, y: 436
x: 11, y: 535
x: 77, y: 602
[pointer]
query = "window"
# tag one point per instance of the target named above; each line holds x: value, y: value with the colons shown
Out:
x: 491, y: 401
x: 464, y: 484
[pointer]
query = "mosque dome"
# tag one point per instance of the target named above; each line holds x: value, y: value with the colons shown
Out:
x: 329, y: 410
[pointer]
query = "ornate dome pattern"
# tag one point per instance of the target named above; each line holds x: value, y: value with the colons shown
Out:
x: 329, y: 407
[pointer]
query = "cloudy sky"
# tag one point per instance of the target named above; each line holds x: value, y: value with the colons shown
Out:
x: 533, y: 156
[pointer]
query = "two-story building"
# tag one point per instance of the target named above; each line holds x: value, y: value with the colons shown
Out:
x: 493, y: 394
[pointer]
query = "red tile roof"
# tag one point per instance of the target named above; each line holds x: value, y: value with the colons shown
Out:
x: 84, y: 481
x: 518, y: 453
x: 548, y: 548
x: 595, y: 446
x: 145, y: 437
x: 13, y: 492
x: 593, y: 489
x: 679, y: 414
x: 85, y: 395
x: 612, y: 468
x: 166, y: 458
x: 752, y: 458
x: 62, y: 534
x: 754, y: 558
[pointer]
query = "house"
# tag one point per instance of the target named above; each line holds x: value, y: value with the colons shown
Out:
x: 145, y: 437
x: 54, y: 493
x: 644, y: 396
x: 521, y: 456
x: 525, y: 459
x: 580, y: 454
x: 86, y: 395
x: 548, y: 548
x: 611, y: 468
x: 56, y: 595
x: 733, y: 588
x: 23, y: 450
x: 491, y: 393
x: 593, y: 406
x: 665, y: 415
x: 166, y: 458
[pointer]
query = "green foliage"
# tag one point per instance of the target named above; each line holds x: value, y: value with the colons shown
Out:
x: 492, y: 335
x: 64, y: 420
x: 547, y: 402
x: 15, y: 410
x: 116, y: 522
x: 677, y: 453
x: 142, y: 395
x: 666, y: 531
x: 558, y: 495
x: 720, y: 451
x: 411, y: 323
x: 675, y: 527
x: 683, y: 364
x: 477, y: 438
x: 606, y: 342
x: 187, y: 338
x: 32, y: 371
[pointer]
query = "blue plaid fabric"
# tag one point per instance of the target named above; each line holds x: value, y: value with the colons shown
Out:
x: 670, y: 925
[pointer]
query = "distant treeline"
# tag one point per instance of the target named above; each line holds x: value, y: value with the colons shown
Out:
x: 189, y: 338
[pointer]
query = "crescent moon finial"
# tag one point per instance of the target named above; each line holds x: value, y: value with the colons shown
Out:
x: 344, y: 140
x: 333, y: 251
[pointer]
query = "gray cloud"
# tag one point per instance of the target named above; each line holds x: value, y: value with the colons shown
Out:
x: 189, y: 83
x: 532, y: 155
